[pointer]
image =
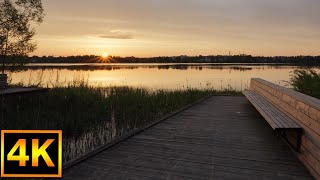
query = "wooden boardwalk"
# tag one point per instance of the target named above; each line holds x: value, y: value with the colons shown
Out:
x: 22, y: 91
x: 220, y: 138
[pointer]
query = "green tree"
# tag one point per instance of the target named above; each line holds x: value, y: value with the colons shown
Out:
x: 17, y: 19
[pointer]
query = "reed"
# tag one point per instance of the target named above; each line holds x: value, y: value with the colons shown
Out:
x: 91, y: 116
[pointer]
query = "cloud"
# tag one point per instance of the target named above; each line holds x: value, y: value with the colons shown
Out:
x: 116, y: 34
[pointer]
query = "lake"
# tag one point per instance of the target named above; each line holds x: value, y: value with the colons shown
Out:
x: 153, y: 76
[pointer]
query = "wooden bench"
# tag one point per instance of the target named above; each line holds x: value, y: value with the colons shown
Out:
x: 278, y: 120
x: 291, y: 106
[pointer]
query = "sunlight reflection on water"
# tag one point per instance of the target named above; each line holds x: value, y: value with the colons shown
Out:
x: 154, y: 76
x: 151, y: 76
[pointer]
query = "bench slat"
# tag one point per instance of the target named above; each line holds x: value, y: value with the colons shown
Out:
x: 283, y: 119
x: 271, y: 113
x: 276, y: 118
x: 262, y: 111
x: 262, y: 93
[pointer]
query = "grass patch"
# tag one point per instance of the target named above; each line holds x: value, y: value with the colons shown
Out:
x: 92, y: 116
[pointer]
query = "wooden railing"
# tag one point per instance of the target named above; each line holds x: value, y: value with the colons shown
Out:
x: 305, y: 111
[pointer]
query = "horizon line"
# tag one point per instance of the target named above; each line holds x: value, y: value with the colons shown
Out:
x: 56, y: 56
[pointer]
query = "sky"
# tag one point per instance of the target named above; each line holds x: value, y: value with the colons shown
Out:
x: 146, y: 28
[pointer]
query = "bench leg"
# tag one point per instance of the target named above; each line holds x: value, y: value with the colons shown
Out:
x: 297, y: 146
x: 284, y: 134
x: 299, y: 136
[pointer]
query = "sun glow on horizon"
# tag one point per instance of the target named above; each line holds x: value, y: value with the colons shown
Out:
x: 104, y: 55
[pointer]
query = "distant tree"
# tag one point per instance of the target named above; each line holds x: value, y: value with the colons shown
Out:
x: 16, y: 27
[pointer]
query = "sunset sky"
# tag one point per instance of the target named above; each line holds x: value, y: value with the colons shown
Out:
x: 175, y: 27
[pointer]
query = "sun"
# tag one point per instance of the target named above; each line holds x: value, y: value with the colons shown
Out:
x: 104, y: 55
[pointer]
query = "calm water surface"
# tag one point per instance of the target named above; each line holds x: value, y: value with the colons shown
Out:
x: 153, y: 76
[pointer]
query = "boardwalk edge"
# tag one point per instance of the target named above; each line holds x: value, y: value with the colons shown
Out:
x: 128, y: 135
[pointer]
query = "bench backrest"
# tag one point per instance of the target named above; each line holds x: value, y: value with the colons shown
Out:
x: 305, y: 110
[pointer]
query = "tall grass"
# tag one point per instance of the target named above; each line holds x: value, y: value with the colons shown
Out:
x: 91, y: 116
x: 306, y: 81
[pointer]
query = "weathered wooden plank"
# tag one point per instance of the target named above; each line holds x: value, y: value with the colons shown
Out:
x: 262, y: 92
x: 265, y: 111
x: 218, y: 143
x: 204, y: 156
x: 308, y: 156
x: 304, y: 110
x: 245, y: 174
x: 22, y: 91
x: 299, y: 101
x: 299, y: 96
x: 306, y: 125
x: 312, y: 124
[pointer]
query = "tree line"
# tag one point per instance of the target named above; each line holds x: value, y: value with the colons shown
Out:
x: 293, y: 60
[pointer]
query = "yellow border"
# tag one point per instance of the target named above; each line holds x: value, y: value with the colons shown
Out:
x: 59, y: 175
x: 2, y: 153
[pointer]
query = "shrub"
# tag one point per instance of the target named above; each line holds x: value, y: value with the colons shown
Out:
x: 306, y: 81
